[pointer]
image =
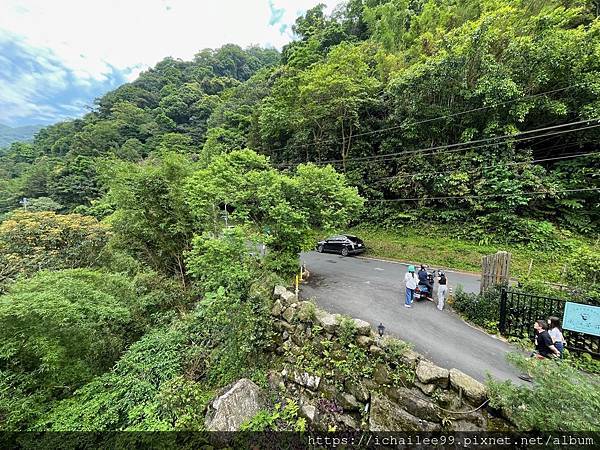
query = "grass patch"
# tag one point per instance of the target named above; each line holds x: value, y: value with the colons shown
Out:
x: 436, y: 246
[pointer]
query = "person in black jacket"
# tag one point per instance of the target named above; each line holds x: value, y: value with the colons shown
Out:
x: 543, y: 342
x: 424, y: 280
x: 544, y: 348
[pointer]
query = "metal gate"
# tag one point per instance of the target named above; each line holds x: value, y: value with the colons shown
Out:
x: 518, y: 312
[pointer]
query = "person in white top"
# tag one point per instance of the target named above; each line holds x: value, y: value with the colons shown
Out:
x: 555, y: 333
x: 442, y: 289
x: 410, y: 281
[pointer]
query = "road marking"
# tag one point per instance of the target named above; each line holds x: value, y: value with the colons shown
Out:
x: 379, y: 268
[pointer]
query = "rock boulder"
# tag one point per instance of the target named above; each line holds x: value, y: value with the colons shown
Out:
x: 472, y: 388
x: 363, y: 328
x: 386, y: 415
x: 278, y: 292
x: 289, y: 313
x: 287, y: 298
x: 238, y: 402
x: 329, y: 322
x: 413, y: 401
x: 428, y: 372
x: 277, y: 308
x: 306, y: 311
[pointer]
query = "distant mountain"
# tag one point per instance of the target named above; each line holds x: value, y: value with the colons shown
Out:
x: 9, y: 134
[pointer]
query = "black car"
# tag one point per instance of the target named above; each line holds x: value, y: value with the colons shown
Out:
x: 344, y: 244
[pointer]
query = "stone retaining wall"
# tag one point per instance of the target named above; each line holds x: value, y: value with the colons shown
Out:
x: 403, y: 391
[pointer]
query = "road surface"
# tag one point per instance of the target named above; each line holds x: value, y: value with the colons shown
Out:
x: 373, y: 290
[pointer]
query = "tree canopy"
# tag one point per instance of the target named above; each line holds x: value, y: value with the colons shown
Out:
x: 139, y: 244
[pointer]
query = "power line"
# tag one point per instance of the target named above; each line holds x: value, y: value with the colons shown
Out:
x: 481, y: 195
x: 419, y: 122
x: 511, y: 141
x: 514, y: 163
x: 436, y: 150
x: 442, y: 147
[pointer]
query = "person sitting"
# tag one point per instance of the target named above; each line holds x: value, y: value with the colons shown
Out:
x: 544, y: 348
x: 555, y: 333
x: 424, y: 279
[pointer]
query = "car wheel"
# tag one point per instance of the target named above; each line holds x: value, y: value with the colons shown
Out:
x: 320, y: 248
x: 345, y: 251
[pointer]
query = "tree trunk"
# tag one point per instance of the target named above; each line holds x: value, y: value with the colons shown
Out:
x: 346, y: 144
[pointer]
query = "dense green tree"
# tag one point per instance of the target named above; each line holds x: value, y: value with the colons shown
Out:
x: 32, y: 241
x: 151, y: 218
x: 42, y: 204
x: 74, y: 181
x: 220, y: 140
x: 324, y: 102
x: 57, y: 331
x: 126, y: 396
x: 279, y: 209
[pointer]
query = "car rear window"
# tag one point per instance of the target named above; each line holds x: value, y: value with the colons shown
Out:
x: 355, y: 239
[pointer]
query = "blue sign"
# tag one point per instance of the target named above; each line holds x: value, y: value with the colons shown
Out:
x: 582, y: 318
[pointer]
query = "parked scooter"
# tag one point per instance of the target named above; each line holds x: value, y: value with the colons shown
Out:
x: 423, y: 292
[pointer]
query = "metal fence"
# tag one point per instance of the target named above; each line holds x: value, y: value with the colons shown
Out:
x: 518, y: 312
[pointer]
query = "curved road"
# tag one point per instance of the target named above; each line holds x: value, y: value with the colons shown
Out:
x: 373, y: 290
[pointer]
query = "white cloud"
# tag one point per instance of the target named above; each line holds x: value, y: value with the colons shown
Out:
x: 90, y: 36
x: 60, y: 54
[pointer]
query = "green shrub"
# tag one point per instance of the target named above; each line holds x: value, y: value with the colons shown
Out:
x: 233, y: 333
x: 283, y: 417
x: 483, y: 310
x: 225, y: 261
x: 582, y: 361
x: 561, y: 398
x: 58, y: 330
x: 128, y: 395
x: 583, y: 270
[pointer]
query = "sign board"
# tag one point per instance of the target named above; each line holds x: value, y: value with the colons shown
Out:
x: 582, y: 318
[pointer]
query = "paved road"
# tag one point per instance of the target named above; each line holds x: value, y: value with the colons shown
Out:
x: 372, y: 290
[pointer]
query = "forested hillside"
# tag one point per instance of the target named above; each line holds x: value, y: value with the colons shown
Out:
x: 126, y: 301
x: 384, y: 91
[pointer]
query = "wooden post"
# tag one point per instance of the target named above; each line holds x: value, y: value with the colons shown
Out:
x: 530, y: 266
x: 495, y: 269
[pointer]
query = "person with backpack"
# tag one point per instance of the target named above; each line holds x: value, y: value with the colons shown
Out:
x: 442, y: 289
x: 410, y: 281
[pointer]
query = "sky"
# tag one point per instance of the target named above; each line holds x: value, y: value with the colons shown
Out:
x: 57, y: 56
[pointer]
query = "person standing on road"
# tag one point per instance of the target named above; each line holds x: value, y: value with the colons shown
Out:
x: 410, y: 280
x: 442, y: 289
